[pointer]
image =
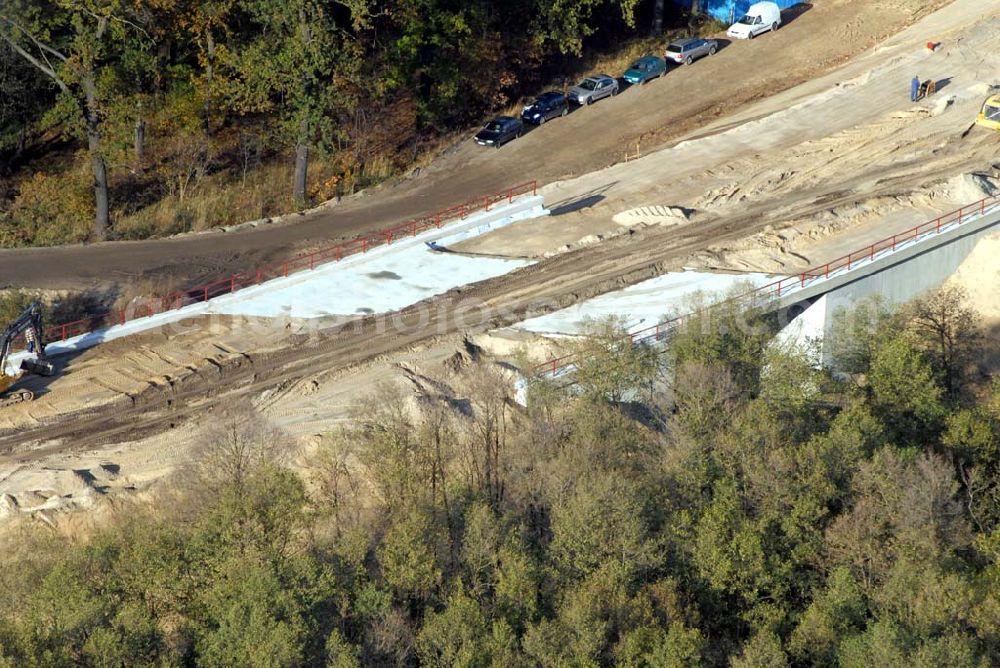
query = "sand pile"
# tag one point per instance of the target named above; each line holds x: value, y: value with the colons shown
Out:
x: 979, y: 276
x: 792, y: 247
x: 963, y: 189
x: 646, y: 216
x: 41, y: 492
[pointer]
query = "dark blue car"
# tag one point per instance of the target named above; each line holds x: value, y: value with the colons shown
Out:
x: 546, y: 107
x: 499, y: 131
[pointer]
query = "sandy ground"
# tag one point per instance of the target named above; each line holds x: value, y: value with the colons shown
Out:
x: 979, y: 276
x: 761, y: 191
x: 855, y: 127
x: 114, y: 373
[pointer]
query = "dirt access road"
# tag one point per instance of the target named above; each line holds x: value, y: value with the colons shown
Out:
x: 816, y: 39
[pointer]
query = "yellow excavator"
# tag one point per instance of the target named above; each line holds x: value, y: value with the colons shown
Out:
x: 28, y: 323
x: 989, y: 117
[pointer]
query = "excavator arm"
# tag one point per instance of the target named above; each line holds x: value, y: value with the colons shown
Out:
x: 28, y: 323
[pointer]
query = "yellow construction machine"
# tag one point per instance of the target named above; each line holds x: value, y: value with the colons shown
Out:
x: 28, y: 323
x: 989, y: 117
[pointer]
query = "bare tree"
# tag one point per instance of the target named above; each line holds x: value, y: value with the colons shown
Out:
x: 950, y: 329
x: 486, y: 449
x: 232, y: 447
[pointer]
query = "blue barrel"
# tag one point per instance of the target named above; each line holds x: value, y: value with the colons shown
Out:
x: 728, y: 11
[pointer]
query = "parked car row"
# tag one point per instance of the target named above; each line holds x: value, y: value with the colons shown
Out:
x: 760, y: 17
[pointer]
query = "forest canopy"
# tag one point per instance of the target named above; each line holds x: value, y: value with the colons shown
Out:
x: 727, y: 503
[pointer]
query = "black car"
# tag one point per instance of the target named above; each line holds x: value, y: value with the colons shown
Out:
x: 499, y: 131
x: 545, y: 107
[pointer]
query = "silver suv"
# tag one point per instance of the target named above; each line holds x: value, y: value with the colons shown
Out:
x: 686, y: 51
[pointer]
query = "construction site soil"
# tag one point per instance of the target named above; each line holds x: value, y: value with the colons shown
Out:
x: 799, y: 199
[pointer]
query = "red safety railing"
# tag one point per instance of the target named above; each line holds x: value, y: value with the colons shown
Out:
x: 781, y: 287
x: 304, y: 262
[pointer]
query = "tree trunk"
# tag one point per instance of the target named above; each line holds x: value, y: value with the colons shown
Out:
x: 206, y: 106
x: 302, y: 145
x: 301, y: 165
x: 22, y: 142
x: 693, y: 19
x: 139, y: 143
x: 102, y: 217
x: 657, y: 18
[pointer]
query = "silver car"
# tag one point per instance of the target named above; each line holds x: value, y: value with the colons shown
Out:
x: 686, y: 51
x: 592, y: 89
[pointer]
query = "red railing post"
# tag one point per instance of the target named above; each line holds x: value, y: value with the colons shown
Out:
x: 364, y: 245
x: 232, y: 283
x: 534, y: 187
x: 339, y: 251
x: 63, y: 333
x: 413, y: 228
x: 206, y: 294
x: 284, y: 268
x: 258, y: 276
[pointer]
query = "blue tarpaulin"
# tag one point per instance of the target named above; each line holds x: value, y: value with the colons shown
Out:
x: 728, y: 11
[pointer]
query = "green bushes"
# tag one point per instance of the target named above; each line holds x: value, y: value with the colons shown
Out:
x: 50, y: 209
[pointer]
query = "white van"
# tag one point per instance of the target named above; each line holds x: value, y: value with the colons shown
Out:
x: 761, y: 17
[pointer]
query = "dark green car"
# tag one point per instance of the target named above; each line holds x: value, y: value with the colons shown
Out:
x: 644, y: 69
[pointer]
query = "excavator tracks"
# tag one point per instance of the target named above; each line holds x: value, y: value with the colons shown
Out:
x: 16, y: 397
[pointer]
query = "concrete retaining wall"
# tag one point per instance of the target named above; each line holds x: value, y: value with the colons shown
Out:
x: 898, y: 278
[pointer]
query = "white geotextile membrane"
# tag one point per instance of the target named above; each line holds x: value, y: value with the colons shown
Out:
x: 643, y: 304
x: 377, y: 285
x: 386, y: 278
